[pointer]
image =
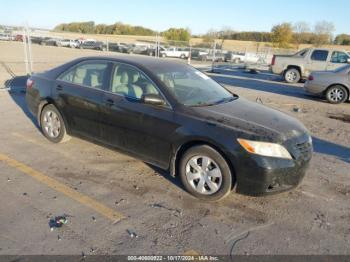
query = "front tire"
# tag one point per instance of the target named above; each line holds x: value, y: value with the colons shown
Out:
x: 292, y: 75
x: 337, y: 94
x: 205, y: 173
x: 52, y: 125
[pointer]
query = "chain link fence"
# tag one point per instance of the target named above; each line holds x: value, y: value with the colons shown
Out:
x: 29, y: 51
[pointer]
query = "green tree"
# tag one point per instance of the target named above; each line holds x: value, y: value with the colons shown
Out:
x: 282, y: 35
x: 342, y: 39
x: 117, y: 28
x: 177, y: 34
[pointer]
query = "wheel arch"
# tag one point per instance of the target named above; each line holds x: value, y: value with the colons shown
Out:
x: 181, y: 149
x: 48, y: 101
x: 295, y: 67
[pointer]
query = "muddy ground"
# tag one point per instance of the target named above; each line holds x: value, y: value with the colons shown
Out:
x: 159, y: 217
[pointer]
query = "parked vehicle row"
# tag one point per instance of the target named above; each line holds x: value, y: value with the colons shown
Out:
x: 6, y: 37
x: 300, y: 65
x: 326, y: 71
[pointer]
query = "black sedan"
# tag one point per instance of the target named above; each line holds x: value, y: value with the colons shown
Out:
x: 175, y: 117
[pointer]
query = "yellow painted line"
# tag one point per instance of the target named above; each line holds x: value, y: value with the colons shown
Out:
x: 62, y: 188
x: 28, y: 139
x: 38, y: 143
x: 191, y: 252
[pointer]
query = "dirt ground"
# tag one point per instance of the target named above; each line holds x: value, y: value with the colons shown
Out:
x: 120, y: 205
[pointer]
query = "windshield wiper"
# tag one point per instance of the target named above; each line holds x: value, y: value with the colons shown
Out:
x: 224, y: 100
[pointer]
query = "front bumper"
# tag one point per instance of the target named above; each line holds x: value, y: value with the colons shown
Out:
x: 259, y: 175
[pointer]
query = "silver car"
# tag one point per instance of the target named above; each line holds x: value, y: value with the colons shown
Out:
x: 333, y: 85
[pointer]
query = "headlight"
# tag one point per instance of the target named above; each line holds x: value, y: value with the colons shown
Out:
x: 265, y: 148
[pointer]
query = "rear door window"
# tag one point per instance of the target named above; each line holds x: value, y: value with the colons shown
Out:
x: 319, y: 55
x: 88, y: 74
x: 339, y: 57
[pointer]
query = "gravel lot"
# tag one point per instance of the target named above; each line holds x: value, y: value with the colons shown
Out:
x: 156, y: 216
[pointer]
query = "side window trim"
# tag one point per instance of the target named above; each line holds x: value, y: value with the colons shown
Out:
x: 73, y: 67
x: 168, y: 105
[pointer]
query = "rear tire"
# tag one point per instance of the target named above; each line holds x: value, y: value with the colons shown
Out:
x: 292, y: 75
x: 337, y: 94
x: 205, y: 173
x: 52, y: 125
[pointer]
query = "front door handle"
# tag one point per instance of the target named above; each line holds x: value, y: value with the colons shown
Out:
x: 59, y: 88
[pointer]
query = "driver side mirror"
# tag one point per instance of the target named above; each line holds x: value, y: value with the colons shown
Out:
x: 348, y: 60
x: 153, y: 99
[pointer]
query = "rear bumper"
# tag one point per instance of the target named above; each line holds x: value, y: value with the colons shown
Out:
x: 314, y: 88
x: 276, y: 70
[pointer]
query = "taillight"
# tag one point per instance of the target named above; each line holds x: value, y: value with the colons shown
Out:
x: 273, y: 60
x: 310, y: 78
x: 30, y: 83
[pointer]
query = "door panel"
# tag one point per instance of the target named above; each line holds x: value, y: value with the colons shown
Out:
x: 318, y: 60
x: 81, y: 106
x: 137, y: 128
x: 79, y: 94
x: 129, y: 124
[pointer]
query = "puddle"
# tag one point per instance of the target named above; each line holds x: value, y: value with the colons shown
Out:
x: 342, y: 117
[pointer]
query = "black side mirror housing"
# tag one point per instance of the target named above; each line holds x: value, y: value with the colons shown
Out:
x: 153, y: 99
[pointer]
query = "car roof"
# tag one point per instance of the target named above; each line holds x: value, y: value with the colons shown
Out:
x: 137, y: 60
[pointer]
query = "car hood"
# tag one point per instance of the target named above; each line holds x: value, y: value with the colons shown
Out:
x: 252, y: 120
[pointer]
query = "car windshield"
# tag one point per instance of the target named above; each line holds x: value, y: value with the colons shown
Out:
x: 192, y: 87
x: 342, y: 68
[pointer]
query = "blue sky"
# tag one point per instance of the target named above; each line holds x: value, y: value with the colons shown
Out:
x: 198, y: 15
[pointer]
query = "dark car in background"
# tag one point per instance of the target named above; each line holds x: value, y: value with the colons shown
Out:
x: 119, y: 47
x: 49, y: 41
x: 174, y: 117
x: 94, y: 45
x: 198, y: 53
x: 218, y: 56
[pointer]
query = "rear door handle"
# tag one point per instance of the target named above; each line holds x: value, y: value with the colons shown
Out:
x: 59, y: 88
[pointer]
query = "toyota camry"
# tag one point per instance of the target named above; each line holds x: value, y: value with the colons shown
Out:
x: 175, y: 117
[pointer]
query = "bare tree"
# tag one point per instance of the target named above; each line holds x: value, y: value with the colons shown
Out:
x: 323, y: 33
x: 225, y: 33
x: 300, y: 30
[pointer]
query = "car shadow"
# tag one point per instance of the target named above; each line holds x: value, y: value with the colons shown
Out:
x: 328, y: 148
x: 166, y: 174
x: 17, y: 89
